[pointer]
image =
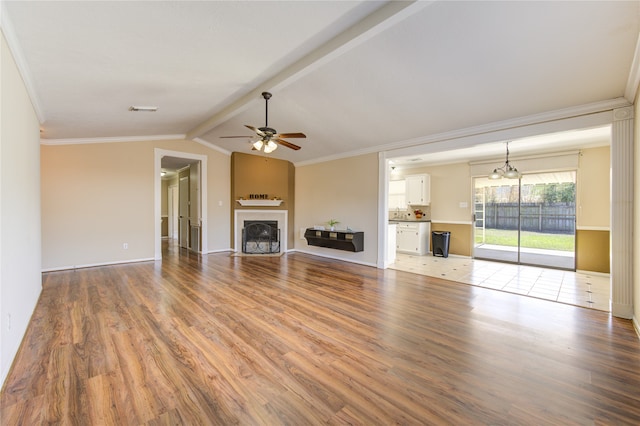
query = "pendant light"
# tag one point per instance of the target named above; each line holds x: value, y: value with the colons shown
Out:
x: 507, y: 170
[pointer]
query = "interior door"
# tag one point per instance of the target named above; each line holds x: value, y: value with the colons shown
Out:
x: 183, y: 211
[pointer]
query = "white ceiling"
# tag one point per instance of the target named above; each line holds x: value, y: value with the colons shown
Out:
x: 355, y: 76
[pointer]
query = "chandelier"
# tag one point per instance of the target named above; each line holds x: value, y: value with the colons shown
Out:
x: 507, y: 170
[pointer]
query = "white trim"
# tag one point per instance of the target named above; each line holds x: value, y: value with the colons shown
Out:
x: 260, y: 202
x: 593, y: 228
x: 25, y: 72
x: 452, y: 222
x: 634, y: 75
x: 373, y: 265
x: 115, y: 139
x: 93, y: 265
x: 383, y: 211
x: 230, y: 250
x: 526, y: 157
x: 157, y: 210
x: 237, y: 233
x: 636, y: 326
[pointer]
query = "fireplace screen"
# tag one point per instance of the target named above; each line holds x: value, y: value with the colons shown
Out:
x: 260, y: 237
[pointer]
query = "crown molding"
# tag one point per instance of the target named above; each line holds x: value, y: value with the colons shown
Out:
x: 14, y: 46
x: 633, y: 81
x: 81, y: 141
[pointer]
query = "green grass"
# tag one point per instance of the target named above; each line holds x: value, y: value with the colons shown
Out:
x: 528, y: 239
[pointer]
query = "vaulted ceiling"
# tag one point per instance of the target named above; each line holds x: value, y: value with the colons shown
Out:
x: 355, y: 76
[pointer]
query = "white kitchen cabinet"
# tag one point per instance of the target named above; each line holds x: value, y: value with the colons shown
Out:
x: 391, y: 246
x: 413, y: 237
x: 418, y: 190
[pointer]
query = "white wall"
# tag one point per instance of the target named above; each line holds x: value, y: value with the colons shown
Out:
x: 20, y: 277
x: 636, y: 218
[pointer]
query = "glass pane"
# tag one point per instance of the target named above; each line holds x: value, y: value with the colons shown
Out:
x: 548, y: 219
x: 496, y: 231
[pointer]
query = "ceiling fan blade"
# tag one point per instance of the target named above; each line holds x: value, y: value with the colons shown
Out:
x: 290, y: 135
x: 285, y: 143
x: 258, y: 131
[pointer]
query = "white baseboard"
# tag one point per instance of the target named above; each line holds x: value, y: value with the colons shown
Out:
x: 94, y: 265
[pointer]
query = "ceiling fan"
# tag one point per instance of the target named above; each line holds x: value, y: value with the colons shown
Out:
x: 269, y: 138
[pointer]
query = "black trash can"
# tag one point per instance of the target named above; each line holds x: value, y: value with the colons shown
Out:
x: 440, y: 243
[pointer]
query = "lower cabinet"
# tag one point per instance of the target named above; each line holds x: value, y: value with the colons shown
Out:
x: 413, y: 238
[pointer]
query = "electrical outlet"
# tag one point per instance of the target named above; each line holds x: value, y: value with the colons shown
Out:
x: 125, y: 246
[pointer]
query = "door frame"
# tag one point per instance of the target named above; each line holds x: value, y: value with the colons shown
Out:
x: 157, y: 205
x: 172, y: 199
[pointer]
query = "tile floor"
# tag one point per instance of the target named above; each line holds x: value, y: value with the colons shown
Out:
x: 575, y: 288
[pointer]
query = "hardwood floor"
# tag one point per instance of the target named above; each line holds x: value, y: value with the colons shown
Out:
x: 304, y: 340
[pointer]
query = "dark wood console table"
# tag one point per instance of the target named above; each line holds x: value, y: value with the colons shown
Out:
x: 340, y: 240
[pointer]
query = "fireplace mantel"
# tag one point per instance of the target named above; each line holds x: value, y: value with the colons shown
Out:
x: 259, y: 202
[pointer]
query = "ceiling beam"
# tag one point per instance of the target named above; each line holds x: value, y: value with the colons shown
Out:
x: 376, y: 22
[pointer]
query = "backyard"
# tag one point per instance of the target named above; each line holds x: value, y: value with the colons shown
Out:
x: 504, y: 237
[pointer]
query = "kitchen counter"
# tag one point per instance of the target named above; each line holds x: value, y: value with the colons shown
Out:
x: 408, y: 220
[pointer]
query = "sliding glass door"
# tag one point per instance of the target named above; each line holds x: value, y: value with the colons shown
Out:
x: 529, y: 221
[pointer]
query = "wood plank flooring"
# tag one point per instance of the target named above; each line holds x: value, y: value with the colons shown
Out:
x: 303, y: 340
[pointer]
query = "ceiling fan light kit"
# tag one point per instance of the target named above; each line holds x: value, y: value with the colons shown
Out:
x: 507, y: 170
x: 269, y: 137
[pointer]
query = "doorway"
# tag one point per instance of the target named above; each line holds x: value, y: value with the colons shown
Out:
x: 176, y: 160
x: 529, y: 221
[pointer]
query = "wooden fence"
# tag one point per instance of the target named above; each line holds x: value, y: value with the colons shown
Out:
x: 557, y: 218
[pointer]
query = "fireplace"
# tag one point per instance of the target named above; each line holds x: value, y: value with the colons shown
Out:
x: 260, y: 237
x: 260, y: 215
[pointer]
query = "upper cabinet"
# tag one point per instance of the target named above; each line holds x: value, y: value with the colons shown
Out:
x: 418, y: 190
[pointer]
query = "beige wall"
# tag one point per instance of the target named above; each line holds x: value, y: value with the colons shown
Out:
x: 20, y: 276
x: 96, y: 197
x: 593, y: 188
x: 450, y: 186
x: 346, y: 190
